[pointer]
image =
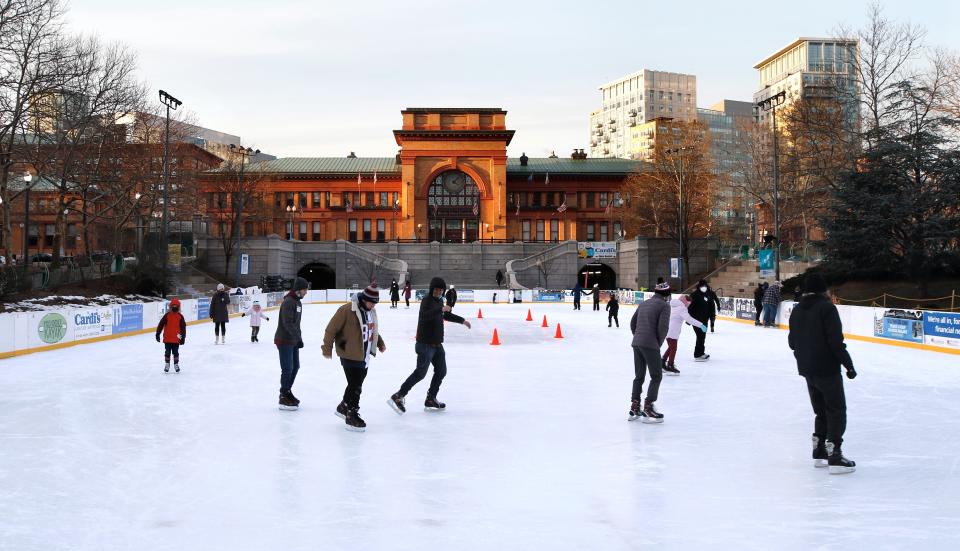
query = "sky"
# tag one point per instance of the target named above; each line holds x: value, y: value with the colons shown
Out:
x: 324, y: 78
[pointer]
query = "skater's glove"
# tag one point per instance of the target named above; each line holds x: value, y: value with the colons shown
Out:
x: 703, y: 328
x: 243, y: 315
x: 300, y: 344
x: 158, y: 337
x: 183, y: 340
x: 851, y: 373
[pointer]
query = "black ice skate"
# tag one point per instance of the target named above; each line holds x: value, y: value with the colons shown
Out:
x: 354, y: 422
x: 342, y: 410
x: 634, y: 410
x: 671, y: 370
x: 432, y: 404
x: 650, y: 414
x: 294, y: 398
x: 287, y: 403
x: 819, y: 452
x: 704, y: 358
x: 166, y: 367
x: 176, y: 367
x: 396, y: 402
x: 838, y: 464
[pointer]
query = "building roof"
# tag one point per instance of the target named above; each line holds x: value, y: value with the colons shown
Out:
x: 44, y: 183
x: 641, y: 73
x: 799, y: 41
x: 389, y: 166
x: 445, y: 110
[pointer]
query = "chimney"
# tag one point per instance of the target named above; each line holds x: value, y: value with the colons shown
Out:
x: 553, y: 155
x: 352, y: 155
x: 524, y: 159
x: 578, y: 154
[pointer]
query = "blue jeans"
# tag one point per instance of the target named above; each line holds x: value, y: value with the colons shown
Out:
x: 289, y: 366
x: 769, y: 313
x: 426, y: 355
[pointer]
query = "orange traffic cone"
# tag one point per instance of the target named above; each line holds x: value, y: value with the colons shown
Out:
x: 529, y: 315
x: 479, y: 314
x: 496, y: 338
x: 559, y: 334
x: 544, y: 324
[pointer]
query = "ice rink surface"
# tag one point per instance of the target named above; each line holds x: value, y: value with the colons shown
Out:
x: 99, y: 450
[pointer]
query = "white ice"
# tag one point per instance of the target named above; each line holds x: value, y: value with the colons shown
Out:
x: 99, y: 450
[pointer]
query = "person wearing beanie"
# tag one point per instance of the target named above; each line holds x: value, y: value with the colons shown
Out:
x: 220, y: 314
x: 771, y: 303
x: 613, y: 307
x: 355, y: 330
x: 173, y: 327
x: 289, y: 341
x: 816, y: 338
x: 649, y: 326
x: 394, y: 294
x: 429, y: 348
x: 256, y: 315
x: 451, y: 297
x: 700, y: 307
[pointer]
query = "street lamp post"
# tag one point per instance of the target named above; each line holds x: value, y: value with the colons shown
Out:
x: 244, y: 153
x: 771, y: 104
x: 171, y: 103
x: 26, y: 220
x: 291, y: 210
x: 680, y: 222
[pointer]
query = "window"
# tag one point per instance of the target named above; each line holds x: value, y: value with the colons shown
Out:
x: 32, y: 235
x: 535, y: 199
x: 303, y: 199
x: 618, y: 230
x: 555, y: 230
x: 591, y: 201
x: 523, y: 199
x: 289, y: 199
x: 50, y: 231
x: 223, y: 229
x: 511, y: 198
x: 603, y: 232
x: 71, y: 240
x: 347, y: 199
x: 603, y: 199
x: 303, y: 231
x: 248, y: 228
x: 383, y: 198
x: 326, y: 198
x: 540, y: 230
x: 353, y: 229
x: 316, y: 231
x: 316, y: 199
x: 366, y: 230
x: 591, y: 231
x: 369, y: 199
x: 396, y: 199
x: 525, y: 234
x: 382, y: 228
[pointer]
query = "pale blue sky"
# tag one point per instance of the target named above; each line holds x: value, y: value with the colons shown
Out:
x: 299, y: 78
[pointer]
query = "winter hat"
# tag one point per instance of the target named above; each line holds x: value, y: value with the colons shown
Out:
x: 662, y: 289
x: 436, y: 283
x: 175, y: 303
x: 371, y: 293
x: 256, y: 303
x: 702, y: 283
x: 814, y: 283
x: 220, y: 286
x: 300, y: 284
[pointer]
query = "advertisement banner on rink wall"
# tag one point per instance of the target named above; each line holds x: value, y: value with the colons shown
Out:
x: 549, y: 296
x: 727, y: 308
x: 941, y: 329
x: 464, y: 295
x: 203, y: 308
x: 904, y: 325
x: 597, y: 249
x: 626, y: 297
x: 745, y: 309
x: 127, y: 317
x: 92, y: 323
x: 50, y: 328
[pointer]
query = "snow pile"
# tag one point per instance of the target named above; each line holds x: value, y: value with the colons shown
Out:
x: 67, y: 301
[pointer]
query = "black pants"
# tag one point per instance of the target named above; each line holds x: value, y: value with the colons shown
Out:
x: 713, y: 318
x: 174, y: 349
x: 644, y: 359
x: 220, y: 328
x: 576, y: 303
x: 758, y: 306
x: 596, y: 306
x: 829, y: 406
x: 356, y: 372
x: 254, y: 331
x: 700, y: 348
x: 289, y: 366
x: 613, y: 317
x: 408, y: 301
x: 426, y: 355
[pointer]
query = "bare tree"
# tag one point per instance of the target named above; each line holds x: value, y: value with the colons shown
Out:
x: 238, y: 191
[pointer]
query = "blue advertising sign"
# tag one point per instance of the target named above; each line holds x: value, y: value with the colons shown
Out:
x: 549, y: 296
x: 127, y: 317
x: 766, y: 262
x: 942, y: 328
x: 904, y: 325
x: 203, y: 308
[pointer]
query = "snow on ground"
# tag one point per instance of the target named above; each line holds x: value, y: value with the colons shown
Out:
x: 73, y: 301
x: 100, y: 450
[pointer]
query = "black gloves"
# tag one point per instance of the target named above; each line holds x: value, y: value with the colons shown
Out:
x: 183, y: 340
x: 300, y: 344
x: 243, y: 315
x: 158, y: 337
x: 851, y: 372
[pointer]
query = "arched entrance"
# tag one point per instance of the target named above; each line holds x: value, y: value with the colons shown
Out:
x: 453, y: 208
x: 319, y: 275
x: 600, y: 273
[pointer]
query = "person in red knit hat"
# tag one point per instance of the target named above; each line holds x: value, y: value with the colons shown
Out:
x: 173, y: 328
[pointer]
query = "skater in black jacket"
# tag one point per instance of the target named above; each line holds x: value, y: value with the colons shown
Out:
x: 451, y: 297
x: 714, y: 303
x: 577, y: 292
x: 613, y: 307
x: 220, y: 314
x: 596, y: 297
x: 429, y: 348
x: 816, y: 338
x: 758, y: 301
x: 394, y: 294
x: 700, y: 307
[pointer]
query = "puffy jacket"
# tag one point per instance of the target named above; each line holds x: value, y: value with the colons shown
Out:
x: 394, y: 291
x: 407, y: 291
x: 758, y: 294
x: 218, y: 307
x: 816, y: 337
x: 288, y: 328
x: 651, y: 322
x: 430, y: 324
x: 345, y: 330
x: 451, y: 297
x: 701, y: 307
x: 678, y: 315
x: 174, y: 328
x: 772, y: 295
x: 613, y: 305
x: 256, y: 315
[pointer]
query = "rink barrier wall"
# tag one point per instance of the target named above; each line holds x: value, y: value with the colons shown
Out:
x: 55, y: 328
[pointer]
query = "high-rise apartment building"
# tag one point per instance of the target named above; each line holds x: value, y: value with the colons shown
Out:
x: 725, y: 122
x: 634, y: 100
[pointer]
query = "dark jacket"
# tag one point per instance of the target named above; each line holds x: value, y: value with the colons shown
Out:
x: 758, y: 294
x: 714, y: 302
x: 218, y: 307
x: 395, y: 292
x: 430, y: 324
x: 451, y: 297
x: 288, y: 328
x: 499, y: 277
x: 772, y: 295
x: 577, y: 290
x: 816, y: 337
x: 595, y: 293
x: 651, y: 322
x: 613, y: 305
x: 701, y: 306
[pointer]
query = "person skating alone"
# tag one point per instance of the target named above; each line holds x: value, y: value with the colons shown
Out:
x: 289, y: 341
x: 220, y: 314
x: 678, y: 315
x: 355, y: 330
x: 499, y: 278
x: 407, y: 291
x: 429, y: 348
x: 816, y: 338
x: 613, y: 307
x: 173, y: 328
x: 649, y: 326
x: 256, y: 316
x: 394, y: 294
x: 771, y: 303
x: 700, y: 306
x: 451, y: 297
x: 758, y: 301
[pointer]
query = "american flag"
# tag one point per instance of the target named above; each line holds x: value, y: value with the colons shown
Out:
x: 435, y: 210
x: 358, y: 181
x: 374, y: 181
x: 518, y: 208
x: 562, y: 207
x: 609, y: 208
x: 476, y: 209
x: 546, y: 181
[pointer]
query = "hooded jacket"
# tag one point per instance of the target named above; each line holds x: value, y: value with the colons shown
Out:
x: 701, y: 305
x: 430, y: 323
x: 173, y: 325
x: 256, y: 314
x: 218, y: 307
x: 772, y: 295
x: 395, y: 291
x: 816, y: 337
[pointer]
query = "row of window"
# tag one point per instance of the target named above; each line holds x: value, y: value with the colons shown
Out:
x: 591, y: 231
x: 48, y: 233
x: 586, y: 199
x: 326, y: 199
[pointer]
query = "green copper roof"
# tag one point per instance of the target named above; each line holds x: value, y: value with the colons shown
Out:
x: 612, y: 167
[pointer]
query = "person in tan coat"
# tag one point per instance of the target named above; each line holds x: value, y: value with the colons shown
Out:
x: 356, y: 333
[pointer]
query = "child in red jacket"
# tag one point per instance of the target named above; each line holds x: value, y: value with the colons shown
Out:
x: 174, y: 329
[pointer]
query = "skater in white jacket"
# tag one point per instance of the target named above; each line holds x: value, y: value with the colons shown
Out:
x: 678, y: 315
x: 256, y: 314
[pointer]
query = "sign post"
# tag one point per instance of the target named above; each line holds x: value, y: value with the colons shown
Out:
x: 675, y: 268
x: 244, y: 264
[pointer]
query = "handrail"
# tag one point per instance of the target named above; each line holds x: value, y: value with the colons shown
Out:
x: 713, y: 273
x: 523, y: 264
x: 394, y: 265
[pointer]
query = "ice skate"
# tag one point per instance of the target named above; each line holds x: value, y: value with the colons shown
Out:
x: 650, y: 414
x: 634, y: 410
x: 176, y: 367
x: 837, y: 463
x: 287, y: 403
x: 704, y: 358
x: 432, y: 404
x: 819, y: 452
x: 354, y: 422
x: 166, y: 367
x: 396, y: 402
x: 342, y: 410
x: 671, y: 370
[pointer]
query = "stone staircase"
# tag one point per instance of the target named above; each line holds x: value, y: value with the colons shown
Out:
x: 740, y: 277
